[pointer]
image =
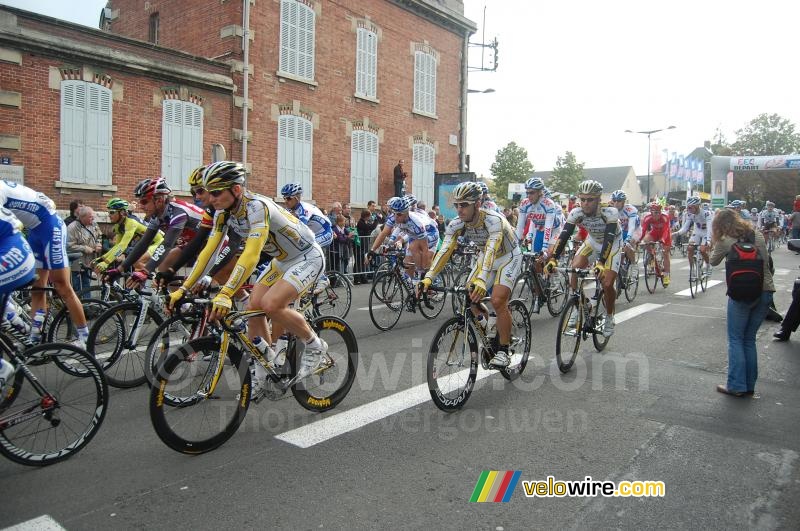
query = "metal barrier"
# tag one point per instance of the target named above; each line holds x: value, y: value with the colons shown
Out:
x: 349, y: 259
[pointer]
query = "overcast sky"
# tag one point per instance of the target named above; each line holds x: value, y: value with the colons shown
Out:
x: 574, y: 74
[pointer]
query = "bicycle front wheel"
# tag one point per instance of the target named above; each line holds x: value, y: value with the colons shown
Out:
x: 568, y: 340
x: 386, y: 301
x: 557, y: 292
x: 452, y: 365
x: 52, y: 418
x: 327, y: 387
x: 632, y: 282
x: 600, y: 315
x: 186, y: 414
x: 704, y: 268
x: 336, y: 298
x: 520, y: 346
x: 171, y: 334
x: 694, y: 277
x: 432, y: 303
x: 650, y: 275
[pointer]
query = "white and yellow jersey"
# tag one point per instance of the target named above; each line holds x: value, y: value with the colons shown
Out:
x: 490, y: 231
x: 262, y: 225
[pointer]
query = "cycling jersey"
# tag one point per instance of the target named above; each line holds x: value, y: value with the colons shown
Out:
x: 602, y: 230
x: 318, y: 222
x: 768, y: 219
x: 47, y: 234
x: 417, y: 227
x: 490, y: 231
x: 490, y: 205
x: 536, y: 221
x: 128, y: 233
x: 17, y: 263
x: 264, y: 226
x: 656, y: 227
x: 701, y: 222
x: 629, y: 222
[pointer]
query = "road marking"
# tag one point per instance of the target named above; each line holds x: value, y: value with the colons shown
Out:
x: 40, y: 523
x: 364, y: 309
x: 693, y: 315
x: 353, y: 419
x: 781, y: 271
x: 688, y: 293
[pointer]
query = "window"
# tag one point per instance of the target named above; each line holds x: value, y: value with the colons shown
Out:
x: 422, y: 172
x: 363, y: 167
x: 425, y: 83
x: 294, y: 152
x: 366, y: 63
x: 85, y: 133
x: 152, y: 35
x: 181, y: 141
x: 297, y: 39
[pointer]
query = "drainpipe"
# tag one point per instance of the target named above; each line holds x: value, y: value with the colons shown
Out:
x: 462, y: 163
x: 246, y: 74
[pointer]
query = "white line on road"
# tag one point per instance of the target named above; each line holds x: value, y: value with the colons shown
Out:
x: 347, y: 421
x: 781, y: 271
x: 363, y: 309
x: 688, y: 293
x: 40, y: 523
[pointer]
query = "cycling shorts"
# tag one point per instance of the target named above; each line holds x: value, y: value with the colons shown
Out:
x: 505, y: 270
x: 664, y: 236
x: 301, y: 271
x: 49, y: 244
x: 17, y: 264
x: 591, y: 250
x: 699, y: 238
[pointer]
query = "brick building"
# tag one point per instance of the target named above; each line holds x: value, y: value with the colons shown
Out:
x: 336, y: 93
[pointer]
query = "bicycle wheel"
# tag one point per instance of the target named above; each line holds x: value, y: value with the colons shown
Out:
x: 568, y: 340
x: 327, y: 387
x: 704, y: 275
x: 557, y: 290
x: 119, y: 339
x: 63, y: 329
x: 452, y: 365
x: 172, y: 333
x: 336, y: 298
x: 196, y: 423
x: 384, y: 267
x: 436, y: 299
x: 650, y: 275
x: 694, y: 276
x: 386, y: 301
x: 53, y: 417
x: 600, y: 314
x: 523, y: 289
x: 632, y: 282
x: 520, y: 346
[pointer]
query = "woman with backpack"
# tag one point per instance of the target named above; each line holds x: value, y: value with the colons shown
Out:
x: 750, y: 290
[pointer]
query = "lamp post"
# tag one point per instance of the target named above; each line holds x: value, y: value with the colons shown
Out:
x: 648, y: 133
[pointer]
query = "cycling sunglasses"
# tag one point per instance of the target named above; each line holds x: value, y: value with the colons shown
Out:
x: 463, y: 204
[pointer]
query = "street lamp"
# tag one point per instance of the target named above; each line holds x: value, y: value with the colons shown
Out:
x: 648, y: 133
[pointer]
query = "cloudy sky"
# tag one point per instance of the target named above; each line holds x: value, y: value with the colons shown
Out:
x: 575, y: 74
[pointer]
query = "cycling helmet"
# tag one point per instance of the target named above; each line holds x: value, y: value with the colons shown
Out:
x: 654, y: 205
x: 467, y: 191
x: 115, y: 203
x: 534, y: 183
x: 223, y: 174
x: 770, y: 204
x: 754, y: 210
x: 411, y: 200
x: 693, y: 201
x: 150, y: 187
x: 484, y: 187
x: 291, y: 190
x: 590, y: 187
x: 618, y: 195
x: 548, y: 194
x: 196, y: 177
x: 399, y: 204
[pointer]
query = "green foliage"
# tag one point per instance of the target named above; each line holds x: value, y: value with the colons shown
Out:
x: 567, y: 174
x: 511, y: 165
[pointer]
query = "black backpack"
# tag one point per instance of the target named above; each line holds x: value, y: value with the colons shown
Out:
x: 744, y: 270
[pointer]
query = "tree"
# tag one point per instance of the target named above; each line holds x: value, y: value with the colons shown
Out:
x: 511, y: 165
x: 767, y: 134
x: 567, y: 174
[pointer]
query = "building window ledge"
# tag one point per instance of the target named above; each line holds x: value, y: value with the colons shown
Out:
x: 425, y: 114
x: 287, y: 75
x: 366, y: 98
x: 84, y: 186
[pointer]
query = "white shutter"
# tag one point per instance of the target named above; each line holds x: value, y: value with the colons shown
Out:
x: 283, y: 124
x: 73, y: 131
x: 418, y: 82
x: 306, y: 150
x: 285, y: 39
x: 305, y: 46
x: 372, y: 63
x: 432, y: 86
x: 98, y: 135
x: 371, y: 168
x: 191, y: 143
x: 364, y: 167
x: 171, y: 122
x: 297, y: 39
x: 366, y: 63
x: 422, y: 173
x: 295, y: 148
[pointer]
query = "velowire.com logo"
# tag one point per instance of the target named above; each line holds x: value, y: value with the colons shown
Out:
x: 495, y: 486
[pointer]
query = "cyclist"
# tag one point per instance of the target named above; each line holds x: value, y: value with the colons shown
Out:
x: 313, y: 217
x: 754, y: 218
x: 536, y: 216
x: 701, y: 220
x: 47, y: 237
x: 178, y: 221
x: 297, y: 261
x: 413, y: 203
x: 486, y: 201
x: 127, y: 231
x: 17, y: 268
x: 768, y: 220
x: 602, y: 244
x: 497, y: 266
x: 655, y: 227
x: 629, y: 222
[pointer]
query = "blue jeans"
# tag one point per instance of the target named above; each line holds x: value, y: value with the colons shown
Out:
x: 80, y: 279
x: 744, y: 318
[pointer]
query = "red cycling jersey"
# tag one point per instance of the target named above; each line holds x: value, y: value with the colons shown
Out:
x: 657, y: 227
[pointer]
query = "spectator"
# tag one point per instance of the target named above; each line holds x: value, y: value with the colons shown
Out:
x: 382, y: 214
x: 421, y: 206
x: 84, y: 242
x: 442, y: 225
x: 399, y: 179
x: 366, y: 225
x: 371, y: 208
x: 334, y: 211
x: 744, y: 318
x: 73, y: 206
x: 341, y: 246
x: 794, y: 220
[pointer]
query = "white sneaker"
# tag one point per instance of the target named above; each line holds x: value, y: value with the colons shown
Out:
x: 312, y: 360
x: 608, y: 327
x: 500, y: 360
x: 6, y: 375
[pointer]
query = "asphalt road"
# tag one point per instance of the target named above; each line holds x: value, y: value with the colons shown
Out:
x: 645, y: 409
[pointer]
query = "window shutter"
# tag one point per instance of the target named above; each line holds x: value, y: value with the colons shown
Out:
x: 422, y: 172
x: 306, y: 152
x: 432, y: 85
x: 356, y: 167
x: 371, y: 168
x: 98, y: 135
x: 372, y: 65
x: 418, y: 82
x: 295, y: 147
x: 172, y: 118
x: 191, y: 142
x: 306, y: 41
x: 366, y: 59
x: 73, y: 131
x: 286, y: 28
